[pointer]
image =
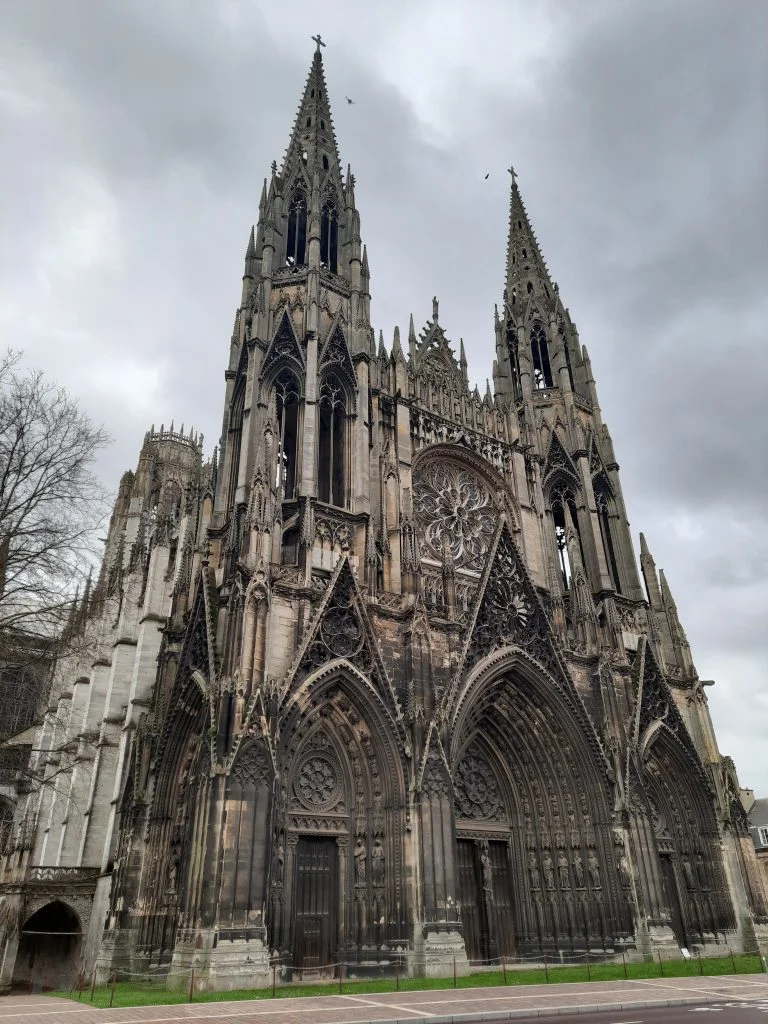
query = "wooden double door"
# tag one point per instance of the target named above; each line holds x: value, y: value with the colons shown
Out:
x: 487, y: 915
x: 315, y: 903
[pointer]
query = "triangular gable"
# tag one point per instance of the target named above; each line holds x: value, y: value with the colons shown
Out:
x: 559, y: 459
x: 508, y: 612
x: 285, y: 347
x: 656, y: 709
x: 342, y: 630
x: 335, y: 355
x: 196, y: 672
x: 434, y: 352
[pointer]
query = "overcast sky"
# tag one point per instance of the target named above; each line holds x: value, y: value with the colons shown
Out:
x: 136, y: 135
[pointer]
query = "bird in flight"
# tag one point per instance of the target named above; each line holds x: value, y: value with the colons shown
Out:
x: 486, y: 177
x: 348, y: 99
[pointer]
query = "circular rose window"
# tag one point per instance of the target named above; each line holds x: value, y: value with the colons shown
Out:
x: 317, y: 783
x: 453, y: 505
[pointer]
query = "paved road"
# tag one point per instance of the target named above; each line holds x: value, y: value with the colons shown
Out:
x: 732, y: 1012
x: 625, y: 1000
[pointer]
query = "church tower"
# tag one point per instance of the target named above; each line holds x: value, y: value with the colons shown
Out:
x: 413, y: 703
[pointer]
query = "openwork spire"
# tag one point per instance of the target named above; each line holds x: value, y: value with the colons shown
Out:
x: 313, y: 142
x: 527, y: 273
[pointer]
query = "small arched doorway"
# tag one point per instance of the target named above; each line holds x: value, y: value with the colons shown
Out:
x: 49, y: 949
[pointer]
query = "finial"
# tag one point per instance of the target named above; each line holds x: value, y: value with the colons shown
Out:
x: 318, y: 41
x: 274, y: 166
x: 512, y: 173
x: 435, y: 305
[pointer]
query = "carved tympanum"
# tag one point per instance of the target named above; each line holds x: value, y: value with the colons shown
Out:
x: 450, y: 501
x: 477, y: 794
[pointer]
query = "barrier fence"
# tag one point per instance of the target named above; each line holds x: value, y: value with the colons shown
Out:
x: 172, y: 983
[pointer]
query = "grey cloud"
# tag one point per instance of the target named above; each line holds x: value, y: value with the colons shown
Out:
x: 141, y: 132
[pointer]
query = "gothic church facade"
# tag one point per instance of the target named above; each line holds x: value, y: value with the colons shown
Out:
x: 409, y: 696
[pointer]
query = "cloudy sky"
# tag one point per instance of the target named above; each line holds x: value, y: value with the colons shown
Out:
x: 136, y: 135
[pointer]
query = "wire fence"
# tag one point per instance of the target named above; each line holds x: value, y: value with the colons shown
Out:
x: 278, y: 977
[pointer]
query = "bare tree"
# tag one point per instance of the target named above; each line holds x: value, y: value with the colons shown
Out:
x: 51, y: 505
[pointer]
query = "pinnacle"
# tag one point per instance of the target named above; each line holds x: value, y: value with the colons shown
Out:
x: 312, y: 147
x: 525, y: 262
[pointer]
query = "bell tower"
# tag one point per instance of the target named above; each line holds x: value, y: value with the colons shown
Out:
x: 545, y: 372
x: 295, y: 431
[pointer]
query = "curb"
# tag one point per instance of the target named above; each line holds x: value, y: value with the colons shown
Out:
x: 498, y: 1016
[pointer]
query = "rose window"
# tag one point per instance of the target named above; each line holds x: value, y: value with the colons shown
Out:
x: 317, y: 783
x: 452, y: 503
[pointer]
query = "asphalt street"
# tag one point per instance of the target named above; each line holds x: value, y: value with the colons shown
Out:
x: 734, y: 1012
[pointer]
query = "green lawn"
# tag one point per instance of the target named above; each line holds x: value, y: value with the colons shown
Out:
x: 132, y: 993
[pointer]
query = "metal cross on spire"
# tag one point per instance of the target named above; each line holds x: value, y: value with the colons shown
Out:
x: 513, y: 173
x: 317, y: 39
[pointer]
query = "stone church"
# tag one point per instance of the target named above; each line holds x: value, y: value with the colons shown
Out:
x: 382, y: 680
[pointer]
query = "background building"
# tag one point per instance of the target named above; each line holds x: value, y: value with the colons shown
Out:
x: 383, y: 679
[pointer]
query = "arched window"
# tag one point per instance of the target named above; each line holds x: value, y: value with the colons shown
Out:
x: 604, y: 519
x: 287, y: 402
x: 567, y: 349
x: 514, y: 362
x: 564, y: 515
x: 333, y: 415
x: 234, y: 440
x: 296, y: 249
x: 329, y: 237
x: 542, y: 372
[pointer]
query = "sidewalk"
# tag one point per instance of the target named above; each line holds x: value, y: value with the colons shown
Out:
x: 437, y: 1006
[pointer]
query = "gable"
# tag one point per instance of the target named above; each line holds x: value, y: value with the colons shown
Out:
x: 509, y: 612
x: 335, y: 356
x: 341, y: 630
x: 285, y: 348
x: 559, y: 459
x: 656, y: 708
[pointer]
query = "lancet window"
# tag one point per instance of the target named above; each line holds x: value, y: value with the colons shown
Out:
x: 329, y: 237
x: 235, y: 438
x: 287, y: 405
x: 296, y: 249
x: 332, y: 452
x: 542, y: 372
x: 604, y: 519
x: 564, y: 516
x: 513, y: 359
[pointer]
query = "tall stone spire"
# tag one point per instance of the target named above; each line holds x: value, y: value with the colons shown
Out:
x: 525, y: 264
x: 313, y: 145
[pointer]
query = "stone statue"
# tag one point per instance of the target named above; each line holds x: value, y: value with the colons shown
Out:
x: 485, y: 864
x: 549, y: 871
x: 578, y: 871
x: 360, y: 853
x: 377, y: 863
x: 688, y: 872
x: 533, y: 870
x: 594, y: 869
x: 279, y: 864
x: 562, y: 870
x: 173, y: 874
x: 626, y: 874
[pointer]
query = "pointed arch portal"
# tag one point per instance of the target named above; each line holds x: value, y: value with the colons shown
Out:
x: 337, y: 883
x: 533, y: 800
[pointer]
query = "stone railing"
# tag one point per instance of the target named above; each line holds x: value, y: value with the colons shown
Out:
x: 62, y: 875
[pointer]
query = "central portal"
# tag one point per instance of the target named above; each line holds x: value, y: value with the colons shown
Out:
x: 315, y: 900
